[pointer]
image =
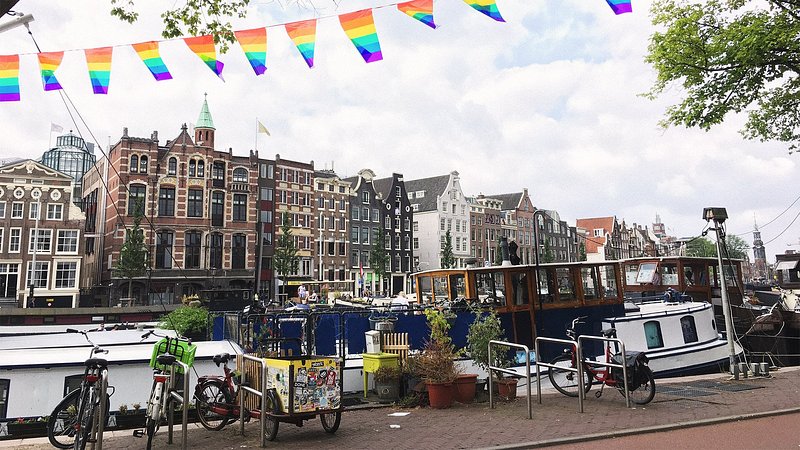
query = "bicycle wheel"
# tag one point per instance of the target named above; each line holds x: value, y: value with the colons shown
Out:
x: 564, y: 380
x: 210, y: 397
x: 270, y: 422
x: 153, y: 419
x: 645, y: 393
x: 151, y: 426
x: 61, y: 423
x: 330, y: 421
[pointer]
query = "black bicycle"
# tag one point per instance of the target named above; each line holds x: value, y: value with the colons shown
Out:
x: 75, y: 419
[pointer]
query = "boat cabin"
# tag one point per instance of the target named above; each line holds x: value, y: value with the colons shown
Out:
x: 532, y: 300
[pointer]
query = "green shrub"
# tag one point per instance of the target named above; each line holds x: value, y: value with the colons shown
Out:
x: 186, y: 320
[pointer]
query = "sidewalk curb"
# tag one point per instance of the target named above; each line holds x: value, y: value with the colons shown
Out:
x: 653, y: 429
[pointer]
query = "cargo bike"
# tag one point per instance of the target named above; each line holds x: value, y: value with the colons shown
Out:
x: 288, y: 389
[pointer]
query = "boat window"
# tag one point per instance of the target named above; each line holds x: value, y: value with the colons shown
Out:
x: 566, y: 285
x: 652, y: 334
x: 669, y: 274
x: 71, y: 383
x: 519, y: 282
x: 424, y: 288
x: 490, y: 287
x: 546, y: 286
x: 608, y: 282
x: 647, y: 273
x: 689, y: 329
x: 731, y: 275
x: 4, y: 385
x: 457, y: 286
x: 695, y: 275
x: 630, y: 274
x: 440, y: 288
x: 591, y: 290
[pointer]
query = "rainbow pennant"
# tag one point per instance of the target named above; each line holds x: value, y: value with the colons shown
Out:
x: 48, y: 64
x: 421, y: 10
x: 148, y: 51
x: 360, y: 28
x: 203, y: 46
x: 9, y: 78
x: 304, y: 34
x: 99, y: 62
x: 488, y: 7
x: 254, y: 45
x: 620, y: 6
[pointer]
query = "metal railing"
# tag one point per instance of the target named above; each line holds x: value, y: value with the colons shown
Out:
x: 511, y: 372
x: 244, y: 389
x: 606, y: 364
x: 173, y: 393
x: 578, y: 369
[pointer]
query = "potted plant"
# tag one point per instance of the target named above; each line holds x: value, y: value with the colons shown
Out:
x: 436, y: 363
x: 188, y: 321
x: 387, y: 383
x: 485, y: 328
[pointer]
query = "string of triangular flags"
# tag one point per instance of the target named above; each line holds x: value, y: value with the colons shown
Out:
x: 359, y: 26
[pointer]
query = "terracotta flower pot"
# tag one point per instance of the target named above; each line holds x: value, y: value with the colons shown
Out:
x: 440, y: 395
x: 465, y: 387
x: 507, y: 388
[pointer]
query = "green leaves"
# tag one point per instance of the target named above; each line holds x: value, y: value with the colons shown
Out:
x: 448, y: 260
x: 729, y: 56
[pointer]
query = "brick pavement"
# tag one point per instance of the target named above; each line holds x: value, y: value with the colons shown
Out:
x: 679, y: 402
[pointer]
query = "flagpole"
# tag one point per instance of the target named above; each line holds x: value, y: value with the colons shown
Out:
x: 256, y: 134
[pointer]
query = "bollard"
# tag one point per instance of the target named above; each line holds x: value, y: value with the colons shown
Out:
x: 755, y: 369
x: 764, y: 369
x: 743, y: 369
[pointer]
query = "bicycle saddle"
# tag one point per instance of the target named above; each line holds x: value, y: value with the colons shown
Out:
x: 96, y: 363
x: 166, y: 359
x: 610, y: 332
x: 221, y: 358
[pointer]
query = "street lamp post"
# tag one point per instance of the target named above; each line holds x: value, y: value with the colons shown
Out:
x: 718, y: 216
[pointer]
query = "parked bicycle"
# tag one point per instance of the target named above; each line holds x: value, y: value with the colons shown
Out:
x: 76, y: 419
x: 165, y: 353
x: 641, y: 385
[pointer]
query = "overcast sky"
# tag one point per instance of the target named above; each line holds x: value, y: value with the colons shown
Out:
x: 549, y: 101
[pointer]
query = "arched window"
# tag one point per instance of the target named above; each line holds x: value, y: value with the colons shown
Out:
x: 689, y: 329
x: 134, y: 164
x: 652, y: 334
x: 192, y: 167
x: 172, y: 168
x: 201, y: 168
x: 240, y: 175
x: 143, y: 164
x: 192, y: 240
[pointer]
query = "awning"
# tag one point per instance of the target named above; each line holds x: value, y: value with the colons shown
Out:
x: 787, y: 265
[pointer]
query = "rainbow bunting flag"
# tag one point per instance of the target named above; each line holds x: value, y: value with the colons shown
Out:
x: 203, y: 46
x: 304, y: 34
x: 48, y: 64
x: 99, y: 62
x: 148, y: 51
x: 9, y: 78
x: 421, y: 10
x: 254, y: 45
x: 360, y: 28
x: 488, y: 7
x: 620, y: 6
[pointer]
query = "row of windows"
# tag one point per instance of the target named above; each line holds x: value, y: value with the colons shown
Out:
x: 193, y: 250
x: 196, y: 168
x: 447, y: 224
x: 194, y: 203
x: 55, y: 211
x: 66, y: 241
x: 294, y: 176
x: 47, y: 275
x: 331, y: 204
x: 360, y: 259
x: 330, y: 188
x: 458, y: 243
x: 363, y: 214
x: 454, y: 208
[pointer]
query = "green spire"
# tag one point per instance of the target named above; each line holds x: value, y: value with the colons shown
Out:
x: 205, y: 120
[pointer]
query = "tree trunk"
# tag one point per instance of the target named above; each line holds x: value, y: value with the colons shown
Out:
x: 130, y: 287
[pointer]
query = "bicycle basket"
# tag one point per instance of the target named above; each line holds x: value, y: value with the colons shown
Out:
x: 182, y: 350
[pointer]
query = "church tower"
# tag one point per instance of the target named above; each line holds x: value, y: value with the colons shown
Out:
x: 759, y: 254
x: 204, y: 129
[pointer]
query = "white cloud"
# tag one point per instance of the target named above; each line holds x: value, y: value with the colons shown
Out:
x: 548, y: 101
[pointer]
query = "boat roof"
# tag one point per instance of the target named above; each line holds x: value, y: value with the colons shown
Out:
x: 71, y: 349
x: 659, y: 309
x: 19, y: 330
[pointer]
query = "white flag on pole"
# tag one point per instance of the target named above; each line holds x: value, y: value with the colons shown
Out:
x: 262, y: 128
x: 56, y: 128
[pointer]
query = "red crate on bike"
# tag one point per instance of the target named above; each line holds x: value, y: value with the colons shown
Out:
x: 182, y: 350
